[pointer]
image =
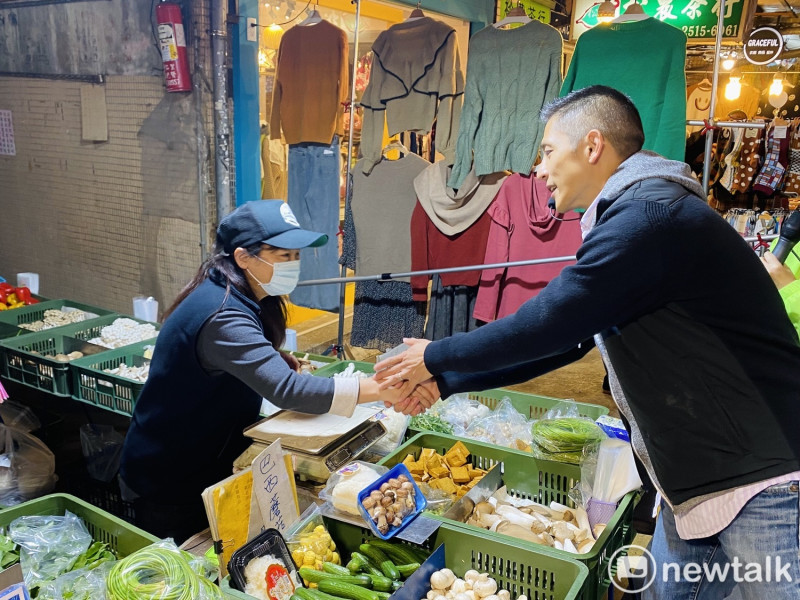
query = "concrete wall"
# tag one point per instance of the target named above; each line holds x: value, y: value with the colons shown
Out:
x: 102, y: 221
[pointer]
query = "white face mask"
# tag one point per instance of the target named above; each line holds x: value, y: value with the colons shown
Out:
x: 285, y: 276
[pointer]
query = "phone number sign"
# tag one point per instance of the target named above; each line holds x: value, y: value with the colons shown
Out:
x: 696, y: 18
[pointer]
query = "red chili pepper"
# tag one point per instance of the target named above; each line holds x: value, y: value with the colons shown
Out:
x: 31, y: 301
x: 23, y: 294
x: 3, y: 296
x: 6, y: 287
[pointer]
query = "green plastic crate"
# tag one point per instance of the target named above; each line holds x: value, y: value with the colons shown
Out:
x: 317, y: 360
x: 340, y: 365
x: 91, y: 384
x: 23, y: 360
x: 122, y: 537
x: 35, y: 312
x: 538, y: 576
x: 20, y: 364
x: 542, y: 481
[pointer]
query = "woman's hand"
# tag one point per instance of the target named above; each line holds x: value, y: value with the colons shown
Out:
x: 781, y: 274
x: 421, y: 399
x: 290, y: 360
x: 406, y: 370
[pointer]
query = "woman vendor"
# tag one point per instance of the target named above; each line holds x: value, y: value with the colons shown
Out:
x: 216, y: 357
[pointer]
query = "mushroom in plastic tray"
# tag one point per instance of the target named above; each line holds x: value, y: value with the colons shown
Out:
x: 391, y: 502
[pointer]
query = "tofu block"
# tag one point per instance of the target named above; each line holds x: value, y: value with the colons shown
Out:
x: 456, y: 459
x: 460, y: 475
x: 448, y: 486
x: 409, y: 460
x: 416, y: 468
x: 460, y: 448
x: 427, y: 453
x: 473, y: 472
x: 439, y: 472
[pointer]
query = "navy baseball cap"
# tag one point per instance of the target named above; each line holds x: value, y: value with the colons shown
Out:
x: 265, y: 222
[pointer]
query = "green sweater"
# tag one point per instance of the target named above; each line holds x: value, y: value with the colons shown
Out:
x: 645, y: 60
x: 511, y: 74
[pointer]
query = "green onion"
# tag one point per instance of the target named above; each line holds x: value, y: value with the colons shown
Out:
x: 426, y: 422
x: 563, y: 439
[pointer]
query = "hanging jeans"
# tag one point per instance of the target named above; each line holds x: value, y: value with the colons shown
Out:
x: 314, y: 199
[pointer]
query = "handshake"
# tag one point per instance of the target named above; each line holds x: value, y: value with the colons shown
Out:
x: 405, y: 382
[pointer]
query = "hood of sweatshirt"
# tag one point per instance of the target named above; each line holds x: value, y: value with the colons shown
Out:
x: 454, y: 211
x: 649, y: 165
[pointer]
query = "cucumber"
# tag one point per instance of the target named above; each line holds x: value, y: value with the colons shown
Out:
x: 396, y: 585
x: 380, y: 583
x: 407, y: 570
x: 384, y: 595
x: 347, y: 590
x: 335, y: 569
x: 364, y: 564
x: 314, y: 576
x: 376, y: 554
x: 295, y: 597
x: 399, y: 553
x: 306, y: 594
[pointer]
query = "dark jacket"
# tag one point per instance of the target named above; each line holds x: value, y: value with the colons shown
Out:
x: 706, y: 356
x: 187, y: 425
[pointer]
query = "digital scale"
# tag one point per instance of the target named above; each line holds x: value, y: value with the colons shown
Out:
x: 315, y: 456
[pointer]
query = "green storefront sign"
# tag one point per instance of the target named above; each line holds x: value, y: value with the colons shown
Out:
x: 533, y: 10
x: 697, y: 18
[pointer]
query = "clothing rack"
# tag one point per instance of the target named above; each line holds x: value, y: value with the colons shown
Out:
x: 732, y: 124
x: 391, y: 276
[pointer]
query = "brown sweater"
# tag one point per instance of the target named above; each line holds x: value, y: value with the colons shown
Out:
x: 310, y: 84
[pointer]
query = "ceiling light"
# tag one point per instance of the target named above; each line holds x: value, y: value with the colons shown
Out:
x: 606, y: 12
x: 733, y: 89
x: 728, y: 64
x: 776, y: 87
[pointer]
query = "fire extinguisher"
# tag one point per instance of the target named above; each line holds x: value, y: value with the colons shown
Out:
x: 172, y: 42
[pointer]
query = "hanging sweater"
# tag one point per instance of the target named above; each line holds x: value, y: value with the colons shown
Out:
x: 416, y: 78
x: 645, y: 60
x: 522, y: 228
x: 449, y: 228
x: 311, y: 82
x: 511, y: 74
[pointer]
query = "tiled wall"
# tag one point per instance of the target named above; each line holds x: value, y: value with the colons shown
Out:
x: 75, y: 211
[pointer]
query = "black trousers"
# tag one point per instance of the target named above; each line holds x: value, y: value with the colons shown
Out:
x: 178, y: 520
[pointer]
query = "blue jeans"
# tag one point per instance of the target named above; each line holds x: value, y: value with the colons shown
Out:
x: 762, y: 534
x: 313, y: 196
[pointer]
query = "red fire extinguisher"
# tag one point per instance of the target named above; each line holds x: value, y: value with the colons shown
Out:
x: 172, y: 41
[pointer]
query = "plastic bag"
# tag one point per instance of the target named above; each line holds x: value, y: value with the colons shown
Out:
x: 49, y: 545
x: 83, y: 584
x: 460, y: 412
x: 27, y: 467
x: 344, y: 485
x: 561, y: 435
x: 158, y: 572
x: 310, y: 543
x: 505, y: 426
x: 19, y: 417
x: 439, y: 501
x: 102, y: 449
x: 396, y: 424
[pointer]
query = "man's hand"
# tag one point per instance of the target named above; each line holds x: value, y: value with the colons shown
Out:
x: 421, y: 399
x: 406, y: 370
x: 781, y: 274
x: 290, y: 360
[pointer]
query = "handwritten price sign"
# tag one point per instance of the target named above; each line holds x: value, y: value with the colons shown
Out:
x: 274, y: 489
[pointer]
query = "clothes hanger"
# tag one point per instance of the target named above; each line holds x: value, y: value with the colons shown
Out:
x: 395, y: 145
x: 416, y: 13
x: 313, y: 17
x: 634, y: 12
x: 515, y: 15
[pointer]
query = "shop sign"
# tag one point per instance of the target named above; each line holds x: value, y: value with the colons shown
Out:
x: 763, y: 46
x: 534, y: 10
x: 696, y: 18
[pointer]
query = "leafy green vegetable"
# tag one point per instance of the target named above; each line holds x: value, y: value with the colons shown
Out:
x: 563, y: 439
x: 426, y: 422
x: 95, y: 555
x: 9, y: 553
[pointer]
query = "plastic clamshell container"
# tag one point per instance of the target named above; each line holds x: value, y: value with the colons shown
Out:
x: 269, y: 542
x: 419, y: 501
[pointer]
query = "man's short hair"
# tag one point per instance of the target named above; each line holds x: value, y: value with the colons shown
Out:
x: 603, y: 108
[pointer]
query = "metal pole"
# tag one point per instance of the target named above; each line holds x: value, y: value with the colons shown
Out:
x: 348, y: 167
x: 714, y: 88
x: 731, y: 124
x: 481, y: 267
x: 222, y: 130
